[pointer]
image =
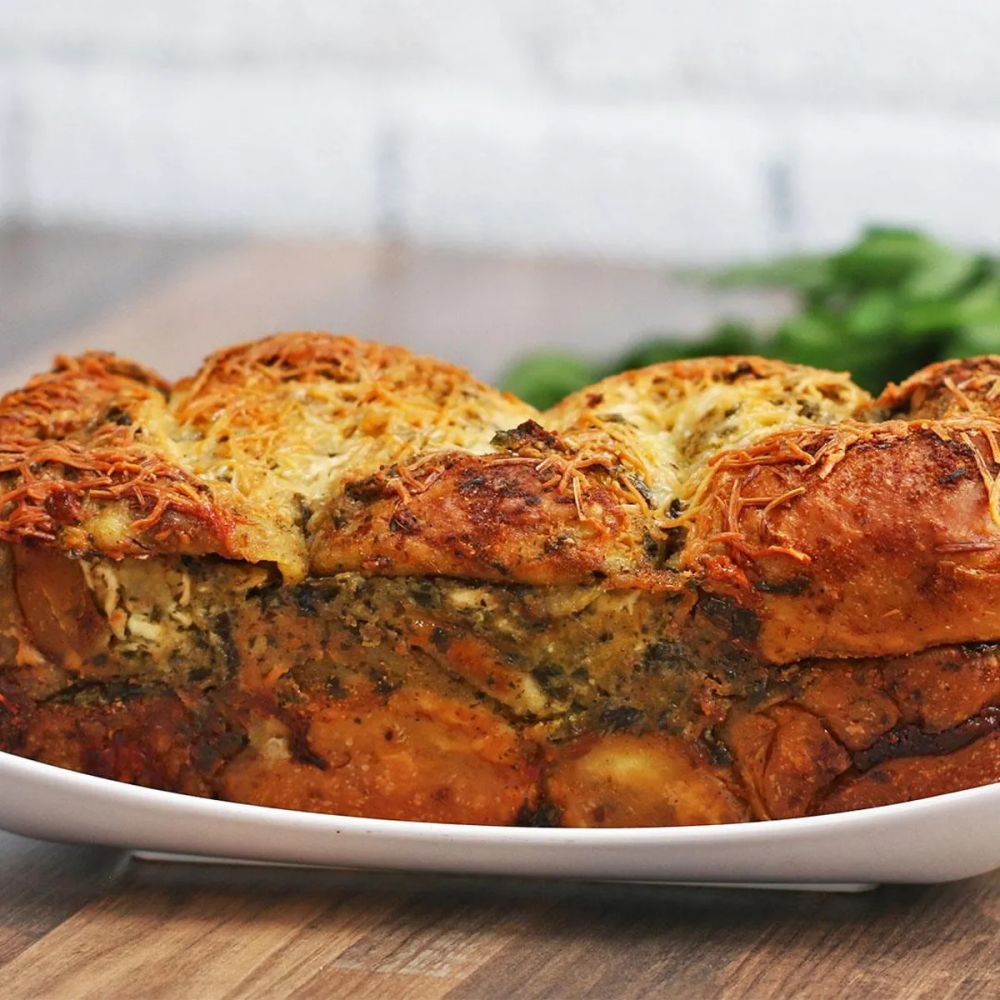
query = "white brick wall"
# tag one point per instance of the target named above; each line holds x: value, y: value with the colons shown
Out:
x: 873, y: 51
x: 676, y: 130
x: 9, y: 154
x: 448, y: 38
x: 207, y: 148
x: 850, y: 168
x: 665, y: 180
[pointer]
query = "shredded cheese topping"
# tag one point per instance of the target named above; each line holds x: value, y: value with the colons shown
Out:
x: 245, y: 458
x: 669, y: 422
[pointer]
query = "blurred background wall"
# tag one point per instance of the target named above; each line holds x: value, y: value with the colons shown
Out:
x: 642, y: 129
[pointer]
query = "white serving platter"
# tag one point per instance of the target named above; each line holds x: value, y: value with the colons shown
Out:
x: 938, y: 839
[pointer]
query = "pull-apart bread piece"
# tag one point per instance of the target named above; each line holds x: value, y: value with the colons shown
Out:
x: 328, y: 575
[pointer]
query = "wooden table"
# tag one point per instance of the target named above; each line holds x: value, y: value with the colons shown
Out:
x: 80, y: 922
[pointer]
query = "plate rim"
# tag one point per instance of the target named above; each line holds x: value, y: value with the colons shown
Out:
x: 773, y: 829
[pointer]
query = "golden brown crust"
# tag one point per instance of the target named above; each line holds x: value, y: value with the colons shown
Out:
x: 700, y: 592
x: 262, y: 456
x: 100, y: 457
x: 620, y: 779
x: 910, y: 778
x: 858, y: 539
x: 538, y: 510
x: 86, y: 467
x: 830, y: 736
x: 916, y: 725
x: 969, y: 387
x: 422, y: 757
x: 740, y: 476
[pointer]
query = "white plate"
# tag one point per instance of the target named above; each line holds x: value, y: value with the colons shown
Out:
x: 932, y: 840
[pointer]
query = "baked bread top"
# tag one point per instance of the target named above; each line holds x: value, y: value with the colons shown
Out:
x: 780, y: 499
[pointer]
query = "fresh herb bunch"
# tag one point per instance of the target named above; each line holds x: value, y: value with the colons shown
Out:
x: 894, y: 301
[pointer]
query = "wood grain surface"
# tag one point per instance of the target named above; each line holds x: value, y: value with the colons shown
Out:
x: 89, y: 922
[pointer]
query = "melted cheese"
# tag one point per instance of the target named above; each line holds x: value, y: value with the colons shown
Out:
x: 272, y: 438
x: 244, y: 458
x: 285, y: 444
x: 671, y: 420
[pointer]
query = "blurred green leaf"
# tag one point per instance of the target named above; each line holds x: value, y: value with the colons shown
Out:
x: 941, y: 317
x: 875, y: 314
x: 986, y: 291
x: 727, y: 338
x: 794, y: 273
x: 883, y: 256
x: 881, y: 308
x: 650, y: 352
x: 545, y: 377
x: 941, y: 274
x: 972, y: 340
x: 807, y: 339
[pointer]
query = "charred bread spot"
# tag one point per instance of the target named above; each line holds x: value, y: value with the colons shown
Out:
x: 739, y: 622
x: 305, y: 599
x: 909, y: 741
x: 793, y: 586
x: 902, y: 779
x: 543, y: 815
x: 385, y: 685
x: 230, y: 652
x: 717, y: 750
x: 404, y: 520
x: 335, y: 688
x: 530, y: 435
x: 619, y: 717
x: 303, y: 754
x: 949, y: 477
x: 976, y: 649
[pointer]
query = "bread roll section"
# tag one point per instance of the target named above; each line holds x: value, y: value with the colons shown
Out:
x: 327, y: 575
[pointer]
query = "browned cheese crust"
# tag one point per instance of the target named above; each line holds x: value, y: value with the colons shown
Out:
x: 329, y: 575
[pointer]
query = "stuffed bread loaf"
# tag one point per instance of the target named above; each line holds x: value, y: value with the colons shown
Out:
x: 329, y: 575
